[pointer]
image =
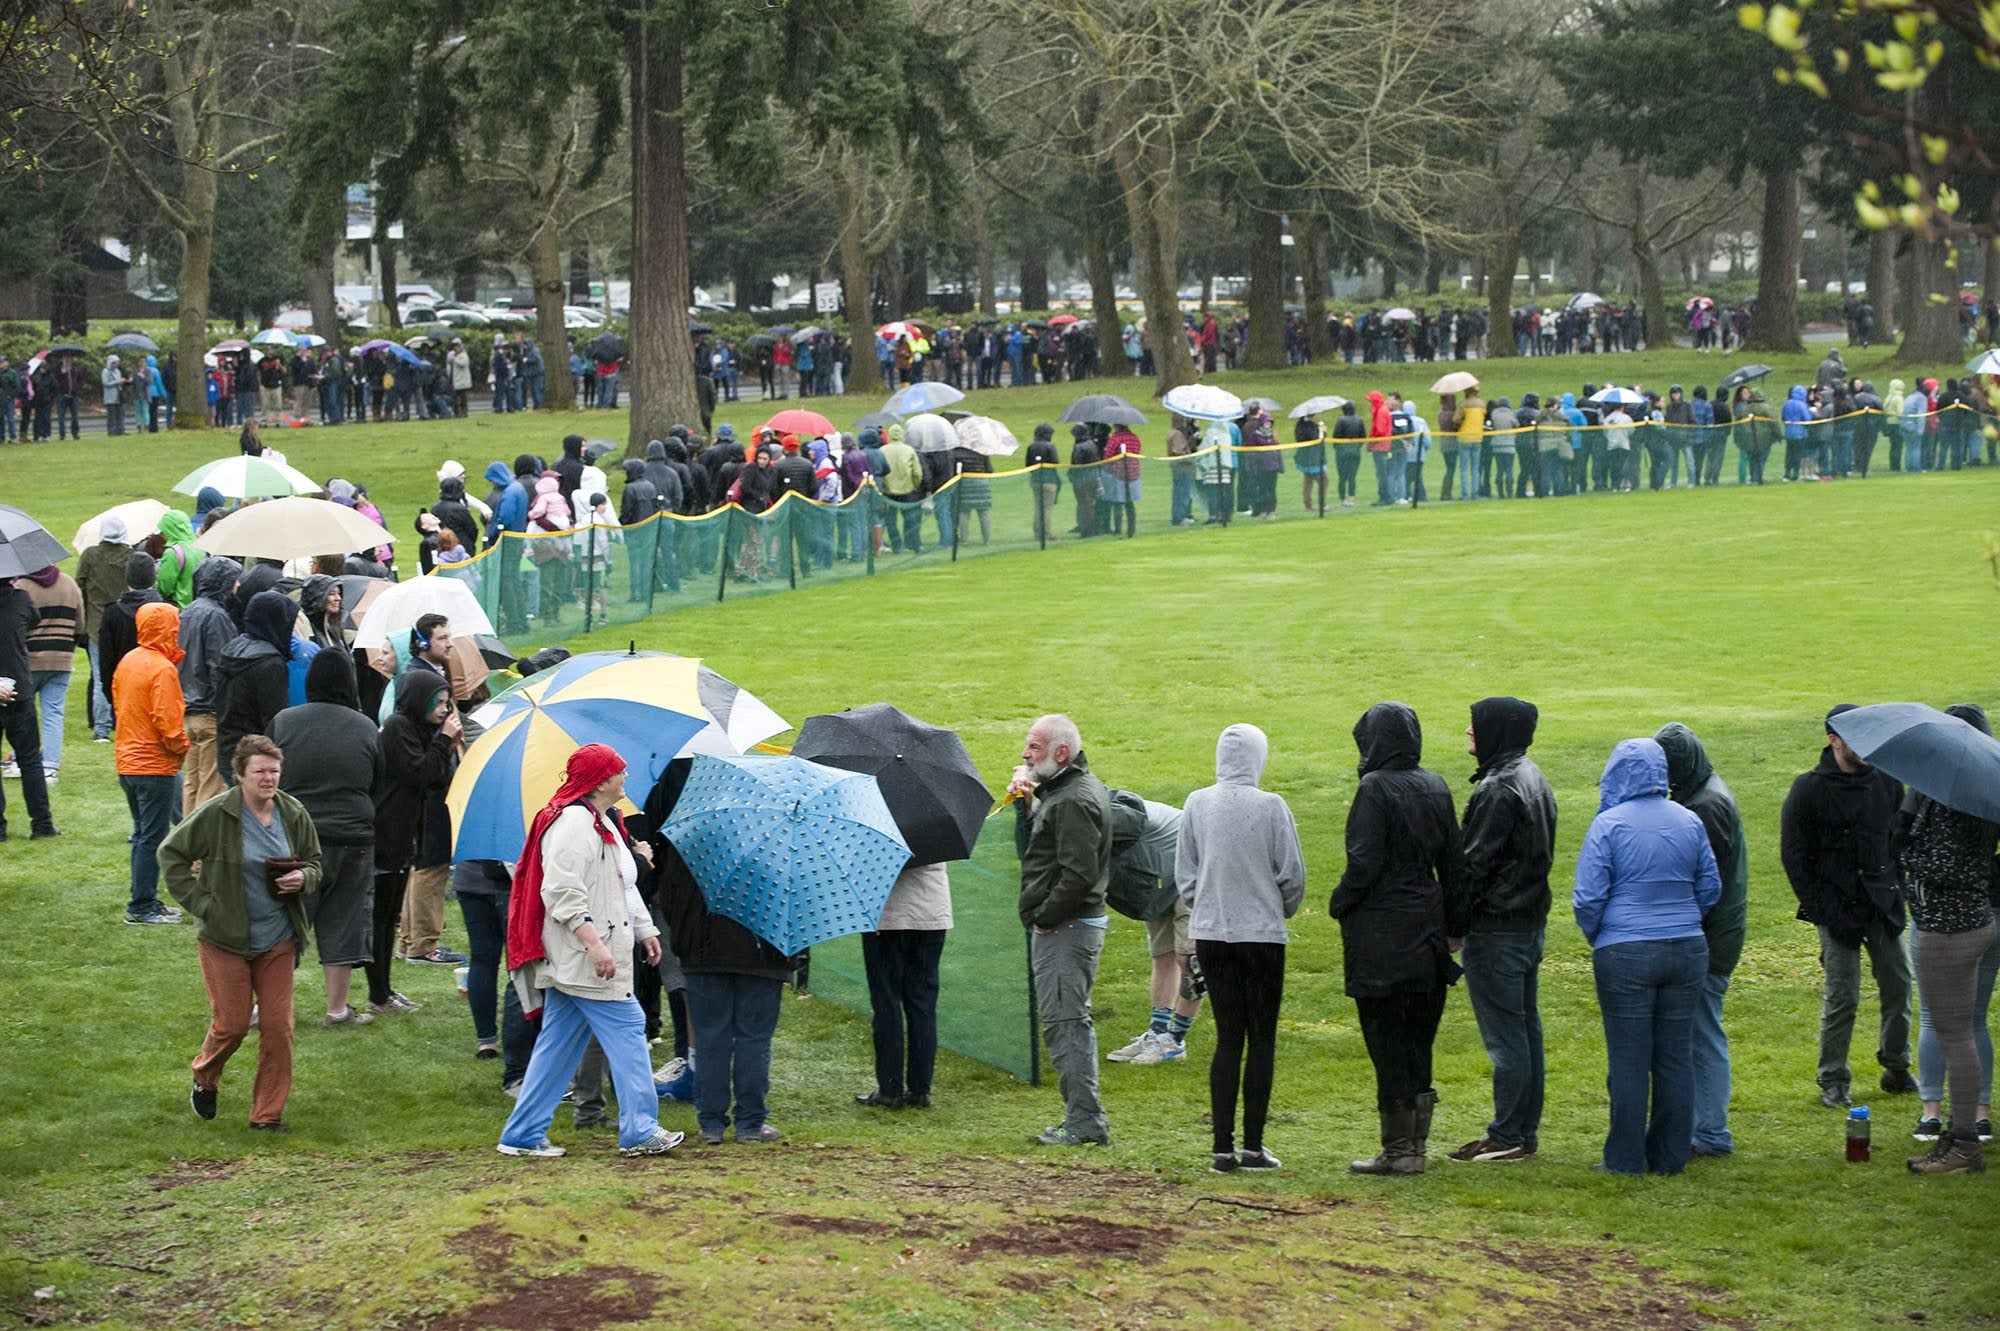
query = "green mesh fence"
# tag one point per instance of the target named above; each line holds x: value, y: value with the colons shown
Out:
x: 985, y: 1007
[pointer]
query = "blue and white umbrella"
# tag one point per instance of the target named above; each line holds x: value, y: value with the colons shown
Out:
x: 1203, y: 402
x: 929, y: 395
x: 795, y: 852
x: 273, y: 337
x: 1623, y: 397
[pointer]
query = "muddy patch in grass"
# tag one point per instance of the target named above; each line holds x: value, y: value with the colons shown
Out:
x: 596, y: 1296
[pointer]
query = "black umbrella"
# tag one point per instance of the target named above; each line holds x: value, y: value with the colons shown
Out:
x: 875, y: 419
x: 1102, y: 409
x: 1933, y: 752
x: 762, y: 340
x: 927, y: 779
x: 1737, y: 378
x: 493, y: 651
x: 67, y: 349
x: 25, y: 544
x: 594, y: 449
x: 698, y: 329
x: 782, y: 330
x: 608, y: 345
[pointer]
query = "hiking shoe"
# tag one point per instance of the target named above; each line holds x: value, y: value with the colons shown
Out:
x: 711, y: 1136
x: 1472, y: 1150
x: 350, y: 1017
x: 1833, y: 1097
x: 1950, y: 1155
x: 1161, y: 1049
x: 1258, y: 1159
x: 274, y: 1126
x: 1500, y: 1155
x: 202, y: 1101
x: 1899, y: 1082
x: 396, y: 1003
x: 658, y: 1144
x: 153, y: 914
x: 877, y: 1100
x: 544, y: 1149
x: 1141, y: 1042
x: 764, y: 1136
x: 1223, y: 1162
x: 1928, y: 1130
x: 1059, y: 1135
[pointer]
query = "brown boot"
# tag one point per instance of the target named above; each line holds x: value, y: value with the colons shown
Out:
x: 1953, y: 1154
x: 1399, y: 1145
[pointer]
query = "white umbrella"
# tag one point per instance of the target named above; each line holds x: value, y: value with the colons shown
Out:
x: 394, y: 609
x: 1584, y: 300
x: 288, y: 528
x: 983, y: 434
x: 1314, y: 406
x: 1455, y: 382
x: 926, y: 396
x: 1203, y: 402
x: 929, y: 434
x: 1986, y: 362
x: 245, y: 477
x: 1267, y: 403
x: 141, y: 518
x: 1401, y: 313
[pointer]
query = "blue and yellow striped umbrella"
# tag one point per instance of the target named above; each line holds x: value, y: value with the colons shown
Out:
x: 646, y: 707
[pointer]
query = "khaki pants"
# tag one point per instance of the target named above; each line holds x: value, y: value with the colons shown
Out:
x: 423, y: 910
x: 232, y: 983
x: 270, y: 402
x: 200, y: 779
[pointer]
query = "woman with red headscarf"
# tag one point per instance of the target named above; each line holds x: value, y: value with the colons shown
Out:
x: 572, y: 918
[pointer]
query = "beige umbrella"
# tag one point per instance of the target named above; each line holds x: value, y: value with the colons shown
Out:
x: 291, y: 527
x: 983, y: 434
x: 141, y: 518
x: 1455, y: 382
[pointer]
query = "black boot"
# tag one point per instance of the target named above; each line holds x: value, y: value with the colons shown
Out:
x: 1399, y: 1145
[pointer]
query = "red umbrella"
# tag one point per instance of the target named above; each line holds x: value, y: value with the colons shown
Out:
x: 1060, y: 320
x: 805, y: 424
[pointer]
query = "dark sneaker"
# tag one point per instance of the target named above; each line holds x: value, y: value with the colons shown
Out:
x: 658, y: 1144
x: 1258, y: 1159
x: 1059, y: 1135
x: 1896, y: 1082
x: 1983, y: 1129
x: 439, y: 956
x: 202, y: 1101
x: 1223, y: 1162
x: 154, y: 914
x: 764, y: 1136
x: 1833, y: 1097
x: 1472, y: 1150
x: 711, y: 1136
x: 877, y: 1100
x: 270, y: 1127
x: 1499, y: 1154
x: 1928, y: 1130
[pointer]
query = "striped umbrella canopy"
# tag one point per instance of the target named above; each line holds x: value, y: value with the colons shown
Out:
x: 646, y: 706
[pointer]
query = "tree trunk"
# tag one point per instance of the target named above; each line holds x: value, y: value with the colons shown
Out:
x: 320, y: 242
x: 855, y: 271
x: 1586, y: 254
x: 660, y: 368
x: 1034, y: 276
x: 1989, y: 249
x: 579, y: 274
x: 1388, y: 279
x: 982, y: 245
x: 1433, y: 274
x: 1882, y: 282
x: 546, y: 272
x: 1150, y: 210
x: 191, y: 340
x: 1932, y: 335
x: 1103, y: 292
x: 917, y: 274
x: 1774, y: 323
x: 1503, y: 253
x: 385, y: 250
x: 1652, y: 296
x: 69, y: 295
x: 1312, y: 282
x: 1266, y: 300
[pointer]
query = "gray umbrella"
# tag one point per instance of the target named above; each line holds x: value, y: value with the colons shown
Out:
x: 606, y: 344
x: 877, y: 419
x: 132, y: 342
x: 1737, y: 378
x: 25, y: 544
x: 1102, y: 409
x: 929, y: 434
x: 1935, y: 754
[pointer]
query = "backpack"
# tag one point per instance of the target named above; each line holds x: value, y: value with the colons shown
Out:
x: 1132, y: 892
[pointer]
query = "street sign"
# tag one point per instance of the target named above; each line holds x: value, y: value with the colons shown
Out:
x: 826, y: 298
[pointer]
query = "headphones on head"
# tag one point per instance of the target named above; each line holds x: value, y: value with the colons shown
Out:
x: 418, y: 637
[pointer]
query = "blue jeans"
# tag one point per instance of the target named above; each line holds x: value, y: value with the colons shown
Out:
x: 151, y: 800
x: 568, y: 1024
x: 1183, y: 496
x: 100, y: 706
x: 486, y: 954
x: 8, y: 428
x: 1468, y: 470
x: 1711, y: 1071
x: 1647, y: 992
x: 51, y: 690
x: 1502, y: 975
x: 607, y: 391
x: 734, y: 1017
x: 1385, y: 490
x: 1930, y: 1050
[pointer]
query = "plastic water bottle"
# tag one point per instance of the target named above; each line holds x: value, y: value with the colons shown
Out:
x: 1857, y: 1135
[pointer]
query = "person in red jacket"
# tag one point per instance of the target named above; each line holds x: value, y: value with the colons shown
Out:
x: 781, y: 364
x: 152, y: 740
x: 1121, y: 480
x: 1379, y: 430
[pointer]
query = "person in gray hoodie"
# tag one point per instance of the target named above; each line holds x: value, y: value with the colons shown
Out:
x: 1239, y: 868
x: 206, y: 630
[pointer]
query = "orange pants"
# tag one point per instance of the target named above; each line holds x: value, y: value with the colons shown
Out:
x: 232, y: 983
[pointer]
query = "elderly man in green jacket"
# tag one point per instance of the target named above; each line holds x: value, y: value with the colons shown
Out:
x: 1062, y: 830
x: 1692, y: 782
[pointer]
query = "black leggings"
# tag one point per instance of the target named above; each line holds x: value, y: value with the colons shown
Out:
x: 1399, y: 1030
x: 389, y: 888
x: 1347, y: 462
x: 1246, y: 984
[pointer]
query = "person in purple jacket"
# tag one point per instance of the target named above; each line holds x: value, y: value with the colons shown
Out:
x: 1645, y: 877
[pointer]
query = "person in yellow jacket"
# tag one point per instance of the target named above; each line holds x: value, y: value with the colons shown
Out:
x: 1471, y: 439
x: 152, y: 740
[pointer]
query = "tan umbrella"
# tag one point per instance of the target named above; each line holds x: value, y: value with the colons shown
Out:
x: 1455, y: 382
x: 141, y: 518
x: 983, y: 434
x: 292, y: 527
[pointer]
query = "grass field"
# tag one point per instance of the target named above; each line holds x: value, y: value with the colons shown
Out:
x: 1744, y: 614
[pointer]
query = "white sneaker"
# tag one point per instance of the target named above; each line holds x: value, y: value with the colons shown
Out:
x: 673, y: 1068
x: 10, y: 769
x: 1161, y: 1049
x: 1130, y: 1053
x: 546, y: 1150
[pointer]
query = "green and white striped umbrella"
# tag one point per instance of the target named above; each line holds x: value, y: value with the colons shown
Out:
x: 245, y: 477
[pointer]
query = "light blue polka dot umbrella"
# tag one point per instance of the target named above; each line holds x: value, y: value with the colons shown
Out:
x: 795, y: 852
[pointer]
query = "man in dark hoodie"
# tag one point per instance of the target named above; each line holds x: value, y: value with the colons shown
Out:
x: 1350, y: 436
x: 420, y: 746
x: 253, y: 680
x: 510, y: 515
x: 454, y: 513
x: 639, y: 501
x: 1399, y: 902
x: 570, y: 465
x: 118, y: 632
x: 1509, y: 837
x: 1836, y: 835
x: 1692, y: 783
x: 206, y: 631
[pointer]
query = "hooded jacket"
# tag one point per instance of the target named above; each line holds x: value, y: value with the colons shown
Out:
x: 152, y: 737
x: 417, y: 759
x: 510, y: 513
x: 1796, y: 415
x: 250, y: 581
x: 1237, y: 862
x: 100, y: 576
x: 1379, y: 426
x: 550, y: 511
x: 1401, y: 895
x: 1836, y: 835
x: 206, y: 630
x: 180, y: 559
x: 452, y: 511
x: 1065, y: 847
x: 640, y: 499
x: 1693, y: 784
x: 336, y: 782
x: 118, y: 631
x: 664, y: 478
x: 312, y: 604
x: 1348, y: 427
x: 1949, y: 872
x: 1509, y: 831
x: 569, y: 467
x: 1645, y: 872
x: 253, y: 680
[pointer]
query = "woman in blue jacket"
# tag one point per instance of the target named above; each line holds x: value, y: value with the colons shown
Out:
x: 1644, y: 879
